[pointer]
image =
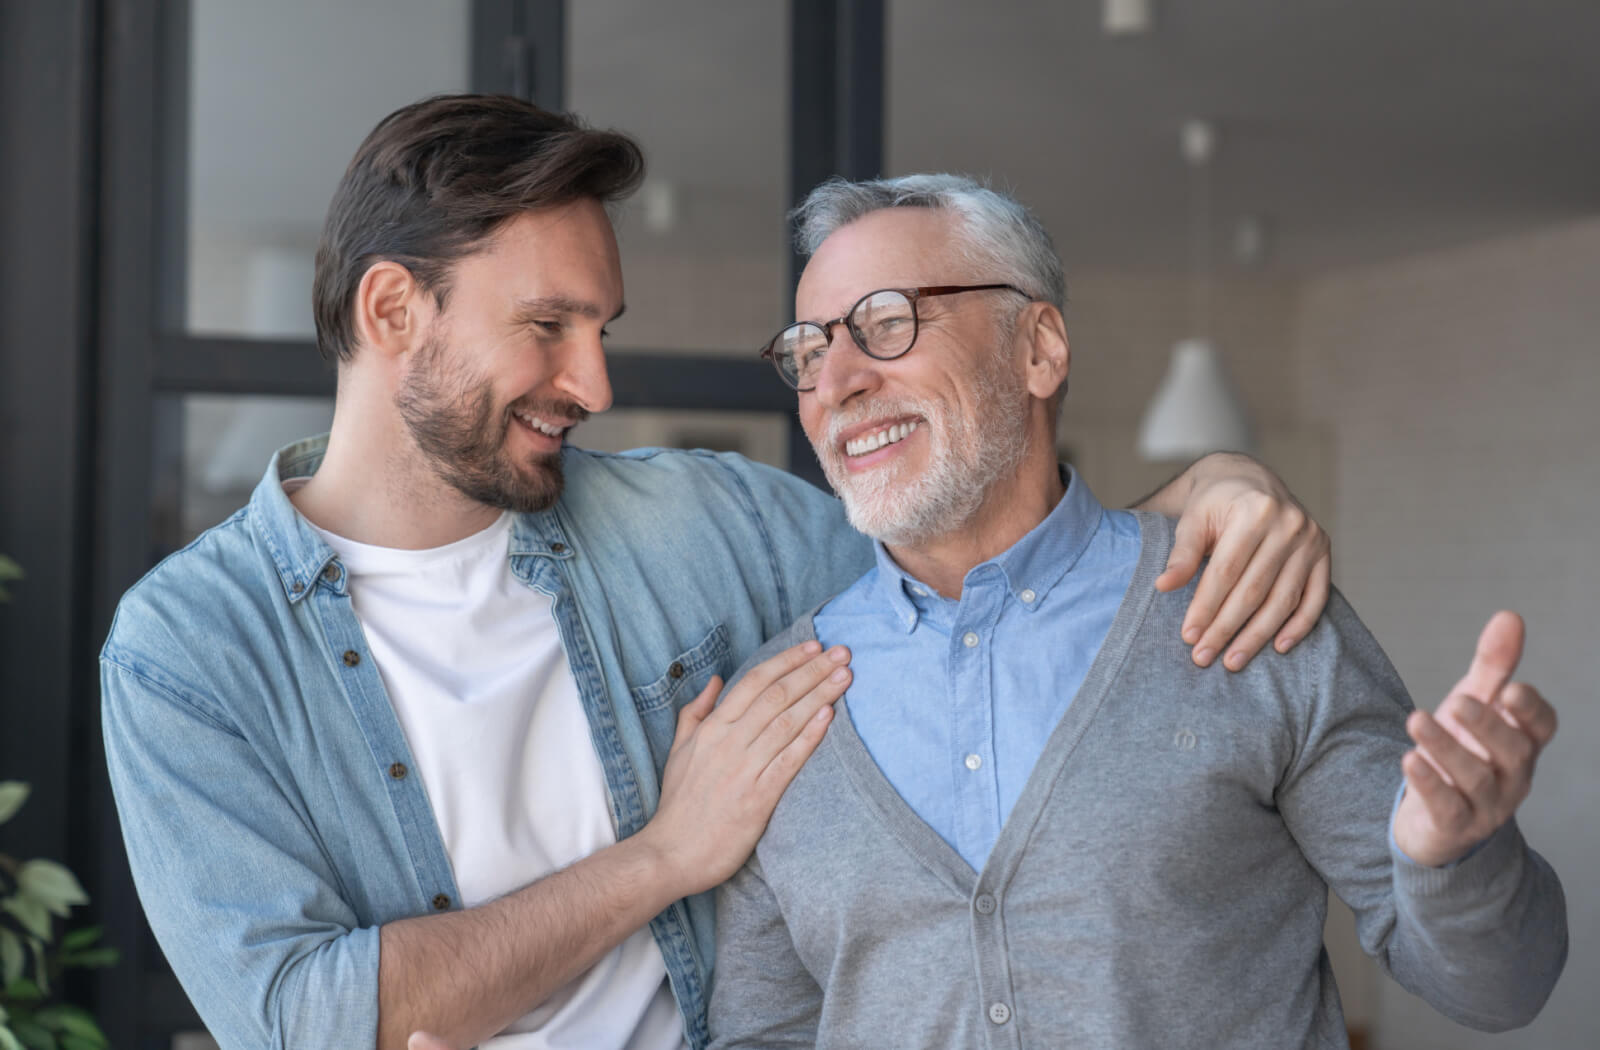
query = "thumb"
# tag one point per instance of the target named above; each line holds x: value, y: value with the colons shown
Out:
x: 425, y: 1041
x: 696, y: 710
x: 1188, y: 547
x: 1499, y: 650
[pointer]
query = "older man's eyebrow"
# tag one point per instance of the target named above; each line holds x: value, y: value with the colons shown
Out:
x: 529, y: 310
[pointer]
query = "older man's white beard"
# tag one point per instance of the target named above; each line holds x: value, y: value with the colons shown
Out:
x: 966, y: 458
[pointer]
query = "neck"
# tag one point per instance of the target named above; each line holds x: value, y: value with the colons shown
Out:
x: 375, y: 487
x: 1010, y: 510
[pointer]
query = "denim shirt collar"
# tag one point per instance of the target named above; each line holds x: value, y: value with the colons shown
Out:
x: 1031, y: 566
x: 304, y: 560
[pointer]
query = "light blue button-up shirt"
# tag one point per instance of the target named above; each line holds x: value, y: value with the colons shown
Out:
x: 955, y: 699
x: 272, y: 820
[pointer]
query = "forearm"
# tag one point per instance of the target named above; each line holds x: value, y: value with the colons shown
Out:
x: 1168, y: 500
x: 1484, y: 941
x: 465, y: 975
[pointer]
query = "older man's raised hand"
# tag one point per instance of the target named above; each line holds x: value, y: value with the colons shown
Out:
x: 1474, y: 759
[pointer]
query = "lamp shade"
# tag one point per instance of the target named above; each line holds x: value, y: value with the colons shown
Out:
x: 1195, y: 410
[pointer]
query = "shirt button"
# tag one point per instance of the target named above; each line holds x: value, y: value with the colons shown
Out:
x: 397, y: 771
x: 558, y: 548
x: 969, y: 639
x: 999, y: 1013
x: 1027, y: 597
x: 984, y: 904
x: 330, y: 572
x: 297, y: 587
x: 974, y: 761
x: 676, y: 670
x: 351, y: 657
x: 441, y: 902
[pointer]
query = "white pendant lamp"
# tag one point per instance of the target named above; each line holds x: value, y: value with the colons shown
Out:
x: 1195, y: 410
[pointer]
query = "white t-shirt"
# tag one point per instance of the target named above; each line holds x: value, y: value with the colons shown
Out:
x: 473, y: 663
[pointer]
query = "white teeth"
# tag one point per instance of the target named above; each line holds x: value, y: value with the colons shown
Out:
x: 876, y: 440
x: 540, y: 425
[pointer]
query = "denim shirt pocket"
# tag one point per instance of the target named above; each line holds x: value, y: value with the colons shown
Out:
x: 681, y: 680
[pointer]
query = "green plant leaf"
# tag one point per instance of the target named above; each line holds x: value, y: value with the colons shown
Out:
x: 35, y: 1036
x: 11, y: 957
x: 81, y: 938
x: 72, y: 1021
x: 13, y: 793
x: 52, y: 885
x: 34, y: 916
x: 22, y: 990
x: 90, y: 958
x: 40, y: 974
x: 9, y: 1041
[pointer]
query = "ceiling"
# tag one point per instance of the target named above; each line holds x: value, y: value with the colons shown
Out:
x: 1357, y: 129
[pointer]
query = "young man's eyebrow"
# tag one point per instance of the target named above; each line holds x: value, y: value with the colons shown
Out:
x: 530, y: 309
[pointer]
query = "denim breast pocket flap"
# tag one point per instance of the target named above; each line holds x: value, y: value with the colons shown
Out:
x: 686, y: 674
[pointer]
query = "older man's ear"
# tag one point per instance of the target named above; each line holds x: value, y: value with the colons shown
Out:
x: 1044, y: 332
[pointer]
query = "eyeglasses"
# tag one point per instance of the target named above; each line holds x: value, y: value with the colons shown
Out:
x: 883, y: 324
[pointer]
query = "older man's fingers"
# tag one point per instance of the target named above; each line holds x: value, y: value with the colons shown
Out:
x: 1496, y: 658
x: 1509, y: 748
x: 1447, y: 808
x: 1531, y: 711
x: 1466, y: 771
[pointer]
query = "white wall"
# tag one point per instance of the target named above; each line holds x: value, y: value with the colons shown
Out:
x: 1460, y: 389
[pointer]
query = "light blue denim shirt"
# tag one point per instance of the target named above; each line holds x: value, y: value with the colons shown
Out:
x: 953, y: 698
x: 264, y: 783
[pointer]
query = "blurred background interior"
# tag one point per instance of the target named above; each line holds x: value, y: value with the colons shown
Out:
x: 1385, y: 270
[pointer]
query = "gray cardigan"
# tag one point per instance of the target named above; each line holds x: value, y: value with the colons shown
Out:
x: 1161, y: 882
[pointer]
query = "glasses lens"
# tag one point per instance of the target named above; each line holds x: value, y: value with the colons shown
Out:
x: 799, y: 352
x: 884, y: 323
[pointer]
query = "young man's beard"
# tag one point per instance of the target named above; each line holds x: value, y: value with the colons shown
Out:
x: 453, y: 419
x: 965, y: 457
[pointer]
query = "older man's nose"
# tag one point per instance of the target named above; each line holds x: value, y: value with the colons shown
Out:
x: 847, y: 371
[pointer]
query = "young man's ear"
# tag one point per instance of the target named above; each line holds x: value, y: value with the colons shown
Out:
x: 1049, y: 353
x: 391, y: 310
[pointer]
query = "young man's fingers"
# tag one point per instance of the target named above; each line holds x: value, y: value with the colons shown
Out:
x: 792, y: 721
x: 1282, y: 600
x: 1249, y: 592
x: 759, y: 677
x: 1495, y: 661
x: 794, y: 688
x: 1188, y: 549
x: 1312, y: 601
x: 783, y: 767
x: 696, y: 710
x: 1220, y: 578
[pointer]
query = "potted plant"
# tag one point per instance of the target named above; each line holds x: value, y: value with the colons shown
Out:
x: 35, y: 896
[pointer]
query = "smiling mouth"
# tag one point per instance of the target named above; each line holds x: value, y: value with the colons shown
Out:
x: 543, y: 426
x: 889, y: 435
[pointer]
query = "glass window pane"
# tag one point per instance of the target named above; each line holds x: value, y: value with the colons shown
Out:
x: 225, y: 445
x: 761, y: 436
x: 703, y: 244
x: 279, y: 96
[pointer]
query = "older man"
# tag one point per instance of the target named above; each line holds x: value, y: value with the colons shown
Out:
x: 1034, y: 822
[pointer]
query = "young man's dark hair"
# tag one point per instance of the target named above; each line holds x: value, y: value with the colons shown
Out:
x: 436, y: 178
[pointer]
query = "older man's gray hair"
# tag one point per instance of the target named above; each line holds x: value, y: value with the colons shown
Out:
x: 1002, y: 240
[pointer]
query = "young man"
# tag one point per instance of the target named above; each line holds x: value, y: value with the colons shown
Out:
x: 423, y: 737
x: 1034, y: 822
